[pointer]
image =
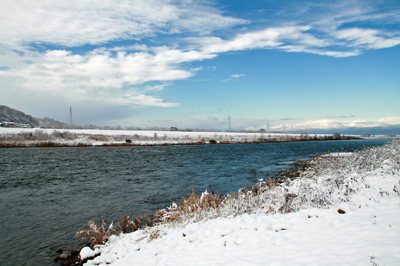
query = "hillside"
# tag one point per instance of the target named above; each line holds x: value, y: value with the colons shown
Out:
x: 8, y: 114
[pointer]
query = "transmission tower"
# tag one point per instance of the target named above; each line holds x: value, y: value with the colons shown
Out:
x: 70, y: 116
x: 229, y: 123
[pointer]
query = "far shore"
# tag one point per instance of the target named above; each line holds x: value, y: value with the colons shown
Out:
x: 36, y: 137
x: 49, y: 144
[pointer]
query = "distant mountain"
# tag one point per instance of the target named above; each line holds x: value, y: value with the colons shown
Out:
x: 51, y: 123
x: 8, y: 114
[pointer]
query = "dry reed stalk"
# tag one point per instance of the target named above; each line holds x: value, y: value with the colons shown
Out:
x: 97, y: 234
x: 190, y: 207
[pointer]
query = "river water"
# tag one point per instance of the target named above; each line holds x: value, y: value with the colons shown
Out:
x: 48, y: 194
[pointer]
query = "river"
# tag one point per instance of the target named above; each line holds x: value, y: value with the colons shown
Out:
x: 48, y: 194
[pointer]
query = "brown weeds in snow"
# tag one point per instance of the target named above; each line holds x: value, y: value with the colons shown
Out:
x: 97, y: 234
x: 188, y: 208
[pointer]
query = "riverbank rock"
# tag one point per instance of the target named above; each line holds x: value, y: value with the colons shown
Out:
x: 87, y: 253
x: 67, y: 257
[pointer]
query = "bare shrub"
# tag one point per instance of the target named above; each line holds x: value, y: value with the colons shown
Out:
x: 98, y: 137
x: 98, y: 234
x: 67, y: 135
x: 127, y: 225
x: 40, y: 135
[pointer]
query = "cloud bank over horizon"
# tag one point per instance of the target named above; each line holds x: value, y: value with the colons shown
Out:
x: 124, y: 57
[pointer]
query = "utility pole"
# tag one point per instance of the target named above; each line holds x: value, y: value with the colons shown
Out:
x: 70, y: 116
x: 229, y: 123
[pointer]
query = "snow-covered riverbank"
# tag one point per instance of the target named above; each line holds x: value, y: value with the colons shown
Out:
x: 28, y: 137
x: 343, y: 210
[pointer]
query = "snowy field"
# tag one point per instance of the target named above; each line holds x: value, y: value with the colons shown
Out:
x: 31, y: 136
x: 342, y: 210
x: 149, y: 133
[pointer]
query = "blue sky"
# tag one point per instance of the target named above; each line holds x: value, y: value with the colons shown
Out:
x: 191, y: 64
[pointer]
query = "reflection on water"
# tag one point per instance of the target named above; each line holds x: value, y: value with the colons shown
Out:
x: 48, y: 194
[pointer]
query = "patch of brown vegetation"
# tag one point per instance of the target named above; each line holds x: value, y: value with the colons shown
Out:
x: 189, y: 207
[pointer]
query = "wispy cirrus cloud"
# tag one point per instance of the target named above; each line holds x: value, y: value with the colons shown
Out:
x: 368, y: 38
x: 318, y: 28
x: 339, y: 43
x: 75, y: 23
x: 234, y: 76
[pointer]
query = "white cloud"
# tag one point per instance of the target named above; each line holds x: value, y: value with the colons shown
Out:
x: 352, y: 41
x: 368, y: 38
x: 203, y: 19
x: 80, y: 22
x: 234, y: 76
x: 103, y: 75
x: 390, y: 120
x: 100, y: 76
x: 316, y: 28
x: 267, y: 38
x: 290, y: 39
x: 74, y: 23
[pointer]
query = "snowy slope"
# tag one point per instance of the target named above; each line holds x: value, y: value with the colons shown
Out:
x: 345, y: 210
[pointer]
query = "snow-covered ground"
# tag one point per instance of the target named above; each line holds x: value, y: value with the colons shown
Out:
x: 147, y: 133
x: 31, y: 136
x: 343, y: 210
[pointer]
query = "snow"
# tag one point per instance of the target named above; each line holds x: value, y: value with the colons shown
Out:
x: 339, y: 154
x: 149, y: 133
x: 87, y: 252
x: 347, y: 215
x: 96, y: 137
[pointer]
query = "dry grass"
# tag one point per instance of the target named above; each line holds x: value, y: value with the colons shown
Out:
x: 97, y: 234
x: 188, y: 208
x: 41, y: 144
x: 97, y: 137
